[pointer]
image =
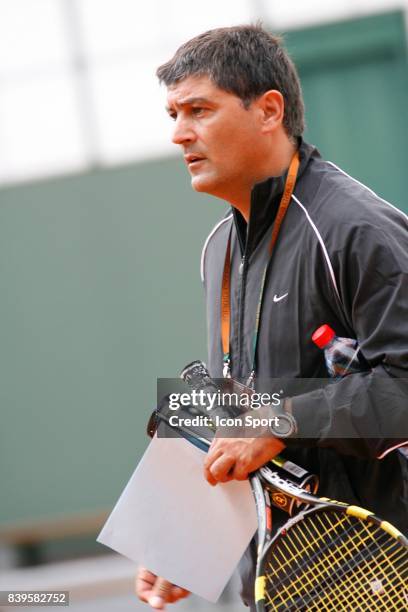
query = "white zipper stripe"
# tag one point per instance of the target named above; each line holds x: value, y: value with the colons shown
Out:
x: 389, y: 450
x: 325, y: 252
x: 206, y: 244
x: 370, y: 190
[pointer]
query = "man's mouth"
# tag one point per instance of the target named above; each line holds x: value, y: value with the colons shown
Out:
x: 191, y: 159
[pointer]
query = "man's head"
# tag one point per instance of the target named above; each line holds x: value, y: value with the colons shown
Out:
x: 236, y: 99
x: 244, y: 60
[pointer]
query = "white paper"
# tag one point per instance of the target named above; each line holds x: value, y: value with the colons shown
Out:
x: 170, y: 520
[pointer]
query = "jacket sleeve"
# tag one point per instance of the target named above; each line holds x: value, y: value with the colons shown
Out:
x: 366, y: 414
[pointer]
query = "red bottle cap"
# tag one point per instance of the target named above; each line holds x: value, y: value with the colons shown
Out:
x: 323, y: 335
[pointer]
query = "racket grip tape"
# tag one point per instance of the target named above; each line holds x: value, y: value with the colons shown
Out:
x: 260, y: 588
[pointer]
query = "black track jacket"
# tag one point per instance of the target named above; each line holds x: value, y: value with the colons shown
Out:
x: 341, y: 258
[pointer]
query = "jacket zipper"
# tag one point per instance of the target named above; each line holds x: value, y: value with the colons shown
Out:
x: 243, y: 267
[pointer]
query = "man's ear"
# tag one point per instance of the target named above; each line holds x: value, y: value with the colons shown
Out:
x: 272, y: 107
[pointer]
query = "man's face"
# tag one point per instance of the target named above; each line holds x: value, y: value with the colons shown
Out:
x: 219, y: 137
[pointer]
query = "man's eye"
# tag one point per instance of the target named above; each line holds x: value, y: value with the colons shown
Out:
x: 173, y: 116
x: 197, y: 110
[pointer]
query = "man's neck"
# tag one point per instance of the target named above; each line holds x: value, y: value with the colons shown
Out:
x: 276, y: 165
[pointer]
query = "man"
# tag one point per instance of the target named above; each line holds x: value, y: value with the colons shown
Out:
x: 337, y: 254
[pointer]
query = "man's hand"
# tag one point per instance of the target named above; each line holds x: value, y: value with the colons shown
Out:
x: 235, y: 458
x: 156, y: 591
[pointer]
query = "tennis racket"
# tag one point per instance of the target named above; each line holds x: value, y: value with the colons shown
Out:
x: 333, y: 556
x: 330, y: 556
x: 198, y: 378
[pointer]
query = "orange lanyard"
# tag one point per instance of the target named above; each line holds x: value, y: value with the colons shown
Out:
x: 226, y: 276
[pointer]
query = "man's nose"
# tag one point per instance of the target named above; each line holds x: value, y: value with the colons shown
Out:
x: 182, y: 132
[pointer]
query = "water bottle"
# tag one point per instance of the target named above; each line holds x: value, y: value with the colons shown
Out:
x: 342, y: 355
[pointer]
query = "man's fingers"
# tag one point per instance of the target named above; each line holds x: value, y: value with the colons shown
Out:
x: 144, y: 583
x: 157, y: 591
x: 220, y: 470
x: 152, y: 589
x: 213, y: 454
x: 209, y: 477
x: 162, y: 587
x: 235, y: 458
x: 176, y: 593
x: 179, y: 593
x: 160, y: 594
x: 144, y: 575
x: 240, y: 472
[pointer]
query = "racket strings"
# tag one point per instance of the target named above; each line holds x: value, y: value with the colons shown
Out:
x: 392, y: 561
x: 327, y: 587
x: 357, y: 601
x: 291, y: 587
x: 322, y: 581
x: 318, y: 576
x: 365, y: 562
x: 366, y: 572
x: 335, y: 562
x: 307, y: 552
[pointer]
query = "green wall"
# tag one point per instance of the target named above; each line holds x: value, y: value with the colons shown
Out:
x: 355, y: 81
x: 101, y: 294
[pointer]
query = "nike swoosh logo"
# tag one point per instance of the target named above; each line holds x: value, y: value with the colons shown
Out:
x: 281, y: 297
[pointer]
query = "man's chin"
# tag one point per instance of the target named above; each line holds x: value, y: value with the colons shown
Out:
x: 202, y: 184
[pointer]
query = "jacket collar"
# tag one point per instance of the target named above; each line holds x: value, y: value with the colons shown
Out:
x: 265, y: 198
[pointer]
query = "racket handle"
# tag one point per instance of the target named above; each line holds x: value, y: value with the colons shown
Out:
x: 298, y: 475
